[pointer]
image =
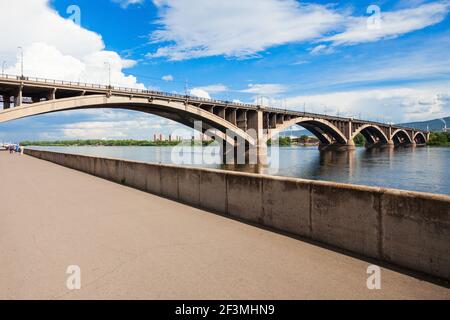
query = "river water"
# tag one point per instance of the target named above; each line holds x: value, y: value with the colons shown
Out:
x: 424, y: 169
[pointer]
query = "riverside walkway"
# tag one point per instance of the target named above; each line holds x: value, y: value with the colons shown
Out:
x: 133, y: 245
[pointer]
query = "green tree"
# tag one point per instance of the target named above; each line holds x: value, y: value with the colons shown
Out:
x: 304, y: 139
x: 439, y: 139
x: 360, y: 140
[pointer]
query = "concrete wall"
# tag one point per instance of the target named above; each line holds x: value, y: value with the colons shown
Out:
x: 409, y: 229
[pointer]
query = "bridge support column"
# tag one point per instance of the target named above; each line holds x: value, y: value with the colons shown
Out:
x: 51, y: 95
x: 233, y: 154
x: 390, y: 144
x: 380, y: 144
x: 18, y: 97
x: 6, y: 101
x: 338, y: 146
x: 255, y: 125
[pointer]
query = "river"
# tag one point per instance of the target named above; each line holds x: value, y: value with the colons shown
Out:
x: 424, y: 169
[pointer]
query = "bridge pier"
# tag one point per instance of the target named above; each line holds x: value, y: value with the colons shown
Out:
x: 338, y: 146
x: 255, y: 127
x: 51, y: 95
x: 406, y: 144
x: 6, y: 101
x: 18, y: 97
x: 412, y: 144
x: 380, y: 144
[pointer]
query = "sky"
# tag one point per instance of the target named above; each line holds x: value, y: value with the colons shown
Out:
x: 378, y: 60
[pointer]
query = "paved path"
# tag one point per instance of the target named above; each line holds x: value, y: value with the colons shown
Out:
x: 130, y: 244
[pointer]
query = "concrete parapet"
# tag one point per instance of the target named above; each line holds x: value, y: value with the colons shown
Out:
x: 189, y: 186
x: 416, y: 231
x: 244, y: 197
x: 347, y: 217
x: 135, y: 175
x: 169, y: 182
x: 287, y: 205
x: 408, y: 229
x: 213, y: 190
x: 153, y: 178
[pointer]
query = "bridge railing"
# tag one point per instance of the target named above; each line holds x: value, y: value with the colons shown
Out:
x: 120, y: 89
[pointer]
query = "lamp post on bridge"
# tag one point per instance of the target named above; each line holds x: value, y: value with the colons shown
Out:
x: 3, y: 67
x: 21, y: 61
x: 109, y: 73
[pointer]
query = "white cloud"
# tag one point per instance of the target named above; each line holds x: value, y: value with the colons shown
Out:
x: 126, y: 3
x: 214, y: 88
x: 428, y: 60
x: 322, y: 49
x: 269, y: 89
x: 206, y: 91
x: 236, y: 28
x: 168, y: 77
x: 109, y: 129
x: 111, y: 124
x: 55, y: 47
x: 200, y: 93
x: 400, y: 104
x: 392, y: 24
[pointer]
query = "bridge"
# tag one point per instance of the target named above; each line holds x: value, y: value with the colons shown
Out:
x: 232, y: 122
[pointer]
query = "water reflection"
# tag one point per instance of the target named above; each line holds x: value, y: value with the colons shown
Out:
x: 422, y: 168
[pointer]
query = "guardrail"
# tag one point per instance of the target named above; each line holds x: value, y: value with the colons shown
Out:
x: 122, y: 89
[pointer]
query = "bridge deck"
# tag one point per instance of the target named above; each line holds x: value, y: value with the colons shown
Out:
x: 130, y: 244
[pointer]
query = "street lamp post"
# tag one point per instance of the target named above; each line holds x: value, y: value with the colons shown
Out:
x: 3, y: 68
x: 21, y: 61
x: 109, y: 72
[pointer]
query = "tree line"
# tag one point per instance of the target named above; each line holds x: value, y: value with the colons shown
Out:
x: 98, y: 142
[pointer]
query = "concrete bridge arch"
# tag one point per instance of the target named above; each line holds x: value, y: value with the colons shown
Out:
x: 401, y: 136
x: 420, y: 138
x: 176, y: 111
x: 325, y: 131
x: 372, y: 133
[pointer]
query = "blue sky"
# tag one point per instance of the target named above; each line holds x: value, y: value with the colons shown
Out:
x: 320, y: 56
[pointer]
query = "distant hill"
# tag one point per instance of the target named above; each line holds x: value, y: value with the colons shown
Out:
x: 432, y: 125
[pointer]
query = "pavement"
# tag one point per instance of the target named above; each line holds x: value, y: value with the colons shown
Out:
x: 133, y: 245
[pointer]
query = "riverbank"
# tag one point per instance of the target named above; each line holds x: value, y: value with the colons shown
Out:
x: 99, y: 142
x: 439, y: 139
